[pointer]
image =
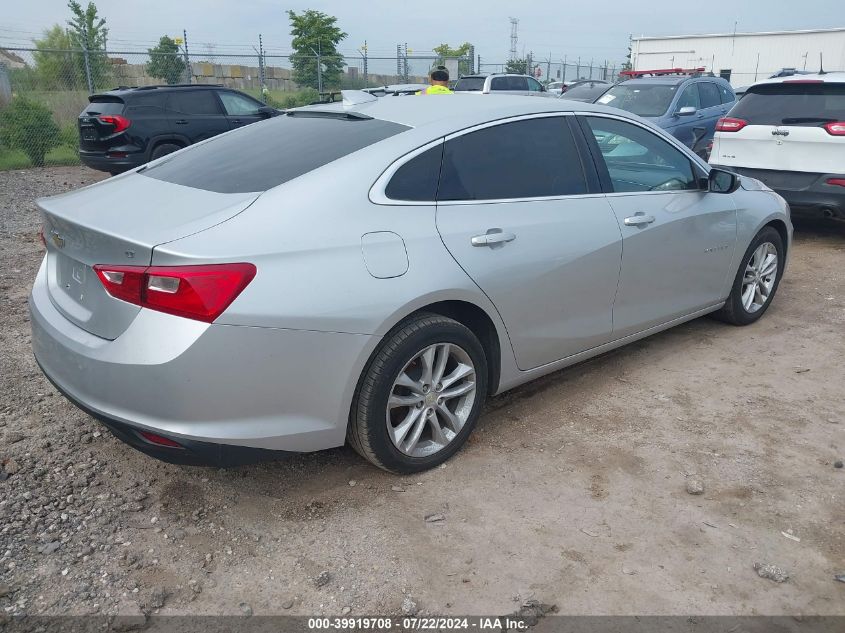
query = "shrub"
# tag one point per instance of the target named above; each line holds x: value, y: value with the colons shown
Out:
x: 29, y: 127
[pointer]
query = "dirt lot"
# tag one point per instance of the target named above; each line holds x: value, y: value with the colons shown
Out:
x: 572, y: 490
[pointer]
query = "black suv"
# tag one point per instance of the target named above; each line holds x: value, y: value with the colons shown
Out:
x: 127, y: 127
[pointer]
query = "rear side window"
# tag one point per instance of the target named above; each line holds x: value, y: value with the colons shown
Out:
x: 509, y: 83
x: 417, y: 179
x: 709, y: 93
x: 523, y: 159
x: 792, y: 104
x: 470, y: 84
x: 193, y: 102
x: 104, y: 106
x: 263, y: 155
x: 147, y: 102
x: 726, y: 94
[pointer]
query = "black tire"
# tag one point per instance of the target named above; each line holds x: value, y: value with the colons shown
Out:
x: 733, y: 311
x: 164, y: 149
x: 367, y: 431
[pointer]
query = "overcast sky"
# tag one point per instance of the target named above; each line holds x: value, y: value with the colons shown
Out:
x: 591, y: 30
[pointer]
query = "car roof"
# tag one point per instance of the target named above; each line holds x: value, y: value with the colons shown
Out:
x: 828, y: 77
x: 124, y: 90
x: 485, y: 75
x: 457, y: 110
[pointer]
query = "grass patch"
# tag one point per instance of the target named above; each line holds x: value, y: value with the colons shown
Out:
x: 63, y: 155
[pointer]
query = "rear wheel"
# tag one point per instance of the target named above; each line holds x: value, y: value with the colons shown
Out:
x: 420, y: 396
x: 756, y: 281
x: 163, y: 150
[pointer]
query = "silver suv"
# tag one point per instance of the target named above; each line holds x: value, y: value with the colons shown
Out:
x: 502, y: 83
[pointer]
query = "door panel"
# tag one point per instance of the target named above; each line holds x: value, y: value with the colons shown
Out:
x: 676, y: 264
x: 677, y: 240
x: 553, y: 284
x: 240, y: 109
x: 549, y: 264
x: 196, y: 114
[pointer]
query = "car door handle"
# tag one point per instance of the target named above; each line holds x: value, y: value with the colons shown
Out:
x: 182, y: 122
x: 493, y: 236
x: 639, y: 219
x: 238, y: 121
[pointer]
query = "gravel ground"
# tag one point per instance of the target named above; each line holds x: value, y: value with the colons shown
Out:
x: 688, y: 473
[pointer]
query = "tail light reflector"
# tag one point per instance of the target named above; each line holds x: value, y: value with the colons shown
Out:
x: 839, y: 182
x: 158, y: 440
x: 835, y: 129
x: 729, y: 124
x: 193, y: 292
x: 120, y: 123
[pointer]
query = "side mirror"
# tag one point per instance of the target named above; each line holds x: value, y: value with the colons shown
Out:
x: 686, y: 111
x: 267, y: 111
x: 721, y: 181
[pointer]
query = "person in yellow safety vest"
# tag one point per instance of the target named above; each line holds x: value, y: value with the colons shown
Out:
x: 439, y: 78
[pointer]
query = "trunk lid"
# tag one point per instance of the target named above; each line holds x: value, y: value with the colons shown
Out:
x: 119, y: 221
x: 97, y: 129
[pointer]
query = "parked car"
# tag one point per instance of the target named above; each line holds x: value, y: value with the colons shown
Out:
x: 586, y: 91
x: 686, y: 106
x: 556, y: 87
x: 359, y: 286
x: 501, y: 83
x: 790, y: 134
x: 127, y: 127
x: 789, y: 72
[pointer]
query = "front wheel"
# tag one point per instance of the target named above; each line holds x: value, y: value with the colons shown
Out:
x: 420, y: 396
x: 756, y: 281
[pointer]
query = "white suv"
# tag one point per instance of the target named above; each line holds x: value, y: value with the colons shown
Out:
x: 502, y: 83
x: 789, y: 133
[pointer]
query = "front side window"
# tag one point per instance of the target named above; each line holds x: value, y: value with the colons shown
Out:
x: 534, y: 85
x: 689, y: 98
x: 639, y: 160
x: 524, y: 159
x: 509, y: 83
x: 239, y: 105
x: 193, y: 102
x: 649, y: 100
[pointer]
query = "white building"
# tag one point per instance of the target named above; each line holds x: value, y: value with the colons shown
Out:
x: 743, y: 58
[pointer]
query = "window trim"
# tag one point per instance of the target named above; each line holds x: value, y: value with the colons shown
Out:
x: 378, y: 196
x: 699, y: 167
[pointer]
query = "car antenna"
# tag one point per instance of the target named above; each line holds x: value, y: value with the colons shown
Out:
x: 821, y: 64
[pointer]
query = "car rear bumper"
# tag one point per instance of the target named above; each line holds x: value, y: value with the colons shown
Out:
x: 116, y: 159
x: 220, y: 391
x: 806, y: 193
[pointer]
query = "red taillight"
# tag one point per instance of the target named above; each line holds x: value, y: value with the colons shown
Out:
x: 158, y: 440
x: 729, y: 124
x: 836, y: 128
x: 120, y: 123
x: 193, y: 292
x: 839, y: 182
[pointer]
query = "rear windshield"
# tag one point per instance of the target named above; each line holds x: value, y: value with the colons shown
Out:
x: 585, y: 92
x: 104, y: 106
x: 470, y: 84
x: 792, y: 104
x: 641, y: 99
x: 264, y: 155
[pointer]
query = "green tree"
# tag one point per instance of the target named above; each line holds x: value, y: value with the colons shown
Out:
x: 166, y: 62
x: 445, y: 51
x: 55, y: 63
x: 88, y: 31
x: 315, y: 33
x: 28, y: 126
x: 518, y: 65
x: 627, y: 64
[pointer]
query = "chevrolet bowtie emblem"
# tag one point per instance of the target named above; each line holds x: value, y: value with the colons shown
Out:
x: 58, y: 240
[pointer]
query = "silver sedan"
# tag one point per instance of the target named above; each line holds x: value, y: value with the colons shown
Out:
x: 370, y: 272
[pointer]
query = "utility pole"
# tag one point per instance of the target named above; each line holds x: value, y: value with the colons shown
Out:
x: 549, y: 68
x: 364, y: 53
x: 514, y: 37
x: 317, y: 54
x: 262, y: 76
x: 187, y: 58
x: 398, y: 62
x: 405, y: 72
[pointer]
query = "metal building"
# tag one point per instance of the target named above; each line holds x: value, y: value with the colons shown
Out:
x: 743, y: 58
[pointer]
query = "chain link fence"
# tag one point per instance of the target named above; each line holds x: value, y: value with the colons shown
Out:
x: 43, y: 91
x: 550, y: 71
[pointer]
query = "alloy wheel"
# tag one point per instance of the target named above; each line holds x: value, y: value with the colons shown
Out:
x: 761, y: 271
x: 431, y: 399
